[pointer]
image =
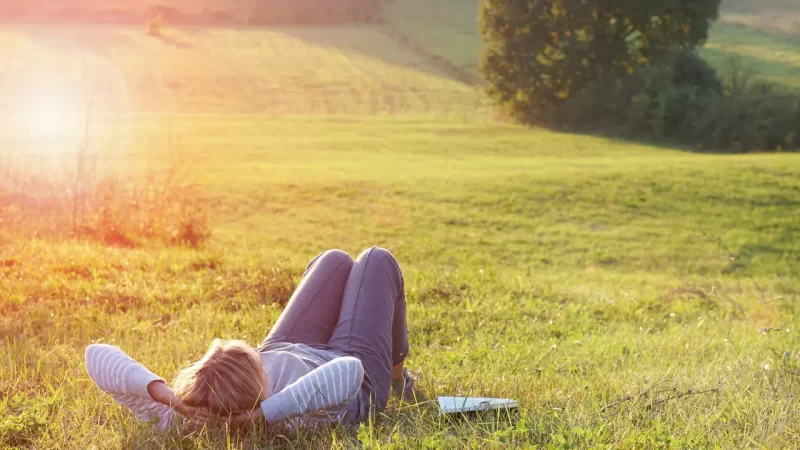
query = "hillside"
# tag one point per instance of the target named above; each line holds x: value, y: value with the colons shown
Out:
x: 301, y: 70
x: 763, y: 35
x: 351, y: 69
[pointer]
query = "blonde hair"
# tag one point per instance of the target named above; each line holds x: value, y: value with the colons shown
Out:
x: 227, y: 379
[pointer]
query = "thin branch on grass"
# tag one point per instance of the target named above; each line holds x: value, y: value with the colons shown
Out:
x: 689, y: 290
x: 628, y: 398
x: 767, y: 330
x: 687, y: 393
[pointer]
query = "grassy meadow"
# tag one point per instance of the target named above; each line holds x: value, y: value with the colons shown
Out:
x: 629, y: 296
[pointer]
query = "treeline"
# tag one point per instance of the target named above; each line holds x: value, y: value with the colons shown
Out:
x: 220, y: 12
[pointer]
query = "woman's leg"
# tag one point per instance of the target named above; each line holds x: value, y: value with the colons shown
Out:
x: 313, y: 310
x: 372, y: 323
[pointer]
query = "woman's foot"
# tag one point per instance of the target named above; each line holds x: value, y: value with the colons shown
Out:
x: 404, y: 387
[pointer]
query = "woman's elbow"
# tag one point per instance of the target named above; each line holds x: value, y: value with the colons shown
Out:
x: 92, y: 355
x: 356, y: 369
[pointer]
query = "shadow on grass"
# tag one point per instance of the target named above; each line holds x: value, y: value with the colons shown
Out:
x: 376, y: 42
x: 616, y: 137
x: 381, y: 43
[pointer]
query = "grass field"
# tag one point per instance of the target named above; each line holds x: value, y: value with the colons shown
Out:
x: 604, y: 284
x: 275, y: 71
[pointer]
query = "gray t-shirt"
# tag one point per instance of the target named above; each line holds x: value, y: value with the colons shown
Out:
x: 287, y: 364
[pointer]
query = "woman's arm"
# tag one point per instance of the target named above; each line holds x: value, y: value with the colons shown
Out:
x: 327, y: 389
x: 132, y: 385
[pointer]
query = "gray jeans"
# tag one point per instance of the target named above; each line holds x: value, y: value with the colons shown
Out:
x: 354, y: 307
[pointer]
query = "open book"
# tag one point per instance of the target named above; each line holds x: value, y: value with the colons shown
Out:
x: 449, y: 405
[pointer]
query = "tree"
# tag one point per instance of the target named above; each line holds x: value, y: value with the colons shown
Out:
x: 542, y: 52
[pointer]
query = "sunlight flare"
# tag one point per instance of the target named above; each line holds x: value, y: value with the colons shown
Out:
x: 50, y: 111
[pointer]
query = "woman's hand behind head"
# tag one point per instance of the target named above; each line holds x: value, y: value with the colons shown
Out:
x: 161, y: 393
x: 244, y: 419
x: 193, y: 414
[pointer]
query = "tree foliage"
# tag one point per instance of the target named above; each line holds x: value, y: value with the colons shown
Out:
x: 542, y: 52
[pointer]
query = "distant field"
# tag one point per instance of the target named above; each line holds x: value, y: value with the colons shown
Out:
x: 276, y: 71
x: 776, y: 15
x: 449, y: 28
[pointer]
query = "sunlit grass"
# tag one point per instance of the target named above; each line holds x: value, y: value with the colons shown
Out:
x: 568, y: 272
x: 768, y: 56
x: 563, y: 271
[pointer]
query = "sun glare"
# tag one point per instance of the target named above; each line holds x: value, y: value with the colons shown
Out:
x: 51, y: 112
x: 57, y: 102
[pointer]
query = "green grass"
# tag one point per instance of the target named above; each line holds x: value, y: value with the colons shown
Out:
x: 782, y: 16
x: 564, y: 271
x: 568, y: 272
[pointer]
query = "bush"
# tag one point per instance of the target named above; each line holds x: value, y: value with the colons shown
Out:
x: 667, y: 100
x: 755, y: 122
x: 155, y: 25
x: 685, y: 102
x: 193, y: 230
x: 114, y: 211
x: 690, y: 70
x: 540, y: 54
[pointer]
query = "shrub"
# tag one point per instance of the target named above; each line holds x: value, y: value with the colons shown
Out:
x: 193, y: 230
x: 540, y: 54
x: 684, y: 102
x: 115, y: 211
x: 754, y: 122
x: 666, y: 100
x: 155, y: 25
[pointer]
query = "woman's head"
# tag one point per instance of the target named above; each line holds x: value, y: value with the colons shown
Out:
x: 229, y: 378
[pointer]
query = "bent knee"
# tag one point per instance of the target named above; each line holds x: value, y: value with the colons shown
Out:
x: 380, y: 255
x: 335, y: 256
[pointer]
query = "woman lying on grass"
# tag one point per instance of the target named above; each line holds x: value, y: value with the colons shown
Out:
x: 334, y: 356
